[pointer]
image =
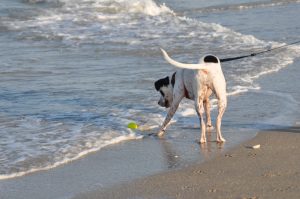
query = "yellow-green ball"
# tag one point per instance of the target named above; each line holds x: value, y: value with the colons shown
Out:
x: 132, y: 125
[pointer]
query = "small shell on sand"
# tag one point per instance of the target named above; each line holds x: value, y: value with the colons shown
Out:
x: 256, y: 146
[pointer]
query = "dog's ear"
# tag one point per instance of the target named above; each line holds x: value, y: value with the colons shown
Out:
x: 162, y: 82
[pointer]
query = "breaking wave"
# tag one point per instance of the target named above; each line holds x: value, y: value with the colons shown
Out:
x: 245, y: 6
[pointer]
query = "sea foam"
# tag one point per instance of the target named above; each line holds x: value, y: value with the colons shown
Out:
x: 92, y: 147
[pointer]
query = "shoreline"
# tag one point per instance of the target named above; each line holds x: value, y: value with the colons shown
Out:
x: 128, y: 161
x: 269, y: 172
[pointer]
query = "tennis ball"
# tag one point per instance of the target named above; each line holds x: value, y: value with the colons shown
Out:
x: 132, y: 125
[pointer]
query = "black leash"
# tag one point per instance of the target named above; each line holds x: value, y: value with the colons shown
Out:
x: 254, y: 54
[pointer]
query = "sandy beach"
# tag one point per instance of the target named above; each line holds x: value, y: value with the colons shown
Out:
x: 272, y: 171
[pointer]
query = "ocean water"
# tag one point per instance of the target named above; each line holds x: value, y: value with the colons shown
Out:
x: 74, y: 73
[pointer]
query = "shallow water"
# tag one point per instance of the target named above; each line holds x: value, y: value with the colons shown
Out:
x: 74, y: 73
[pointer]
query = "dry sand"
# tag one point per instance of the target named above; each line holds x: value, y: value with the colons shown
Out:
x: 272, y: 171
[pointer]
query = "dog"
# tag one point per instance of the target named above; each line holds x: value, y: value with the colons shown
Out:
x: 196, y: 82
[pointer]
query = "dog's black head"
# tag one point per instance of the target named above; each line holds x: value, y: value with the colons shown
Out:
x: 162, y: 82
x: 165, y: 87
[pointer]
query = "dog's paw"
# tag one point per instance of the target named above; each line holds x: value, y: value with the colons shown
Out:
x: 220, y: 140
x: 160, y: 133
x: 202, y: 140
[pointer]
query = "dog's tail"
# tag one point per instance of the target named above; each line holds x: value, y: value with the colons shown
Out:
x: 203, y: 65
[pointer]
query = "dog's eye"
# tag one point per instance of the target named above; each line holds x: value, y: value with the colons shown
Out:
x: 162, y: 93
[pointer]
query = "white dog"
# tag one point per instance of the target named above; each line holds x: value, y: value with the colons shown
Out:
x: 197, y: 84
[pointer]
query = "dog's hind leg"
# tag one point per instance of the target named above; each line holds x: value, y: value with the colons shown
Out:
x: 207, y: 107
x: 200, y: 111
x: 222, y: 106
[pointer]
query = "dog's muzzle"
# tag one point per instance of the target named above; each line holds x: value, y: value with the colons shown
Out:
x: 163, y: 103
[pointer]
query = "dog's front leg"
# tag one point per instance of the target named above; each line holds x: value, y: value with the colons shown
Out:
x: 169, y: 116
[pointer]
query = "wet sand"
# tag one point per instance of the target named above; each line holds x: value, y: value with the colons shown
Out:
x: 272, y: 171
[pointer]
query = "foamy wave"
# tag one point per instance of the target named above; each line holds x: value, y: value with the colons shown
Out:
x: 35, y: 1
x: 188, y: 112
x: 241, y: 89
x: 245, y: 6
x: 283, y: 59
x: 94, y: 147
x: 250, y: 69
x: 116, y: 19
x: 147, y: 7
x: 217, y: 31
x: 75, y: 21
